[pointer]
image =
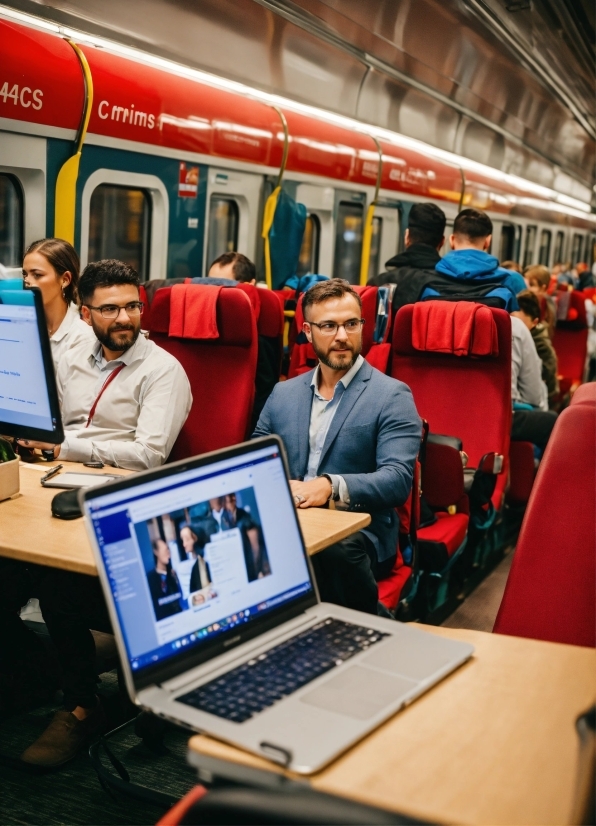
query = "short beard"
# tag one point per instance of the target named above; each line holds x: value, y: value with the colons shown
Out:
x: 329, y: 361
x: 112, y: 344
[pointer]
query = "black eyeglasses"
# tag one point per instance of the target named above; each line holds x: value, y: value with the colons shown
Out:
x: 132, y: 309
x: 330, y: 328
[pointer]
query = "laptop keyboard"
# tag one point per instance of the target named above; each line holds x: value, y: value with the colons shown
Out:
x: 265, y: 680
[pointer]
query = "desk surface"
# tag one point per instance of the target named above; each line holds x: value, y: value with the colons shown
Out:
x: 492, y: 743
x: 29, y: 532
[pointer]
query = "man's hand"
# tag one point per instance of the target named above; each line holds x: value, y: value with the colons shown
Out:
x: 40, y: 446
x: 311, y: 494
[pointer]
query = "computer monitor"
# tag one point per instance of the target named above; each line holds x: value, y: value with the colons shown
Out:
x: 29, y: 407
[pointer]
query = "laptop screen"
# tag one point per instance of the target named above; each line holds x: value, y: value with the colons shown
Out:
x: 192, y: 555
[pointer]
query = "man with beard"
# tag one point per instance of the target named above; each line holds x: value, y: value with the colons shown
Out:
x: 352, y: 435
x: 124, y: 401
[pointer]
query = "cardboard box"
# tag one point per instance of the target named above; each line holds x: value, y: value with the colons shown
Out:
x: 9, y: 478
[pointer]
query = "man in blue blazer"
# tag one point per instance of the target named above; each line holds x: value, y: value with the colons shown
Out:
x: 352, y: 435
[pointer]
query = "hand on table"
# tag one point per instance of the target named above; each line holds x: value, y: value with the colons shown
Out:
x: 40, y: 446
x: 311, y: 494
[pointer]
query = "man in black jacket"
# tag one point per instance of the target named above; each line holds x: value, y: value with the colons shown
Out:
x: 423, y: 239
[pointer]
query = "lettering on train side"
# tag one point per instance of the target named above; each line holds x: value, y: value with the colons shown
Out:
x: 22, y: 96
x: 124, y: 114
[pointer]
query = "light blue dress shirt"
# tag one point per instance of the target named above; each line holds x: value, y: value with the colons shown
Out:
x: 321, y: 416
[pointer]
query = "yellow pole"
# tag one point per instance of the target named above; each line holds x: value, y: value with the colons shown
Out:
x: 66, y: 183
x: 271, y: 203
x: 368, y: 222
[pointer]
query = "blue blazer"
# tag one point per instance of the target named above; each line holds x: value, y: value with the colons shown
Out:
x: 373, y: 441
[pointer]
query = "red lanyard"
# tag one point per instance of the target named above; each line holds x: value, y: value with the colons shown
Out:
x: 110, y: 378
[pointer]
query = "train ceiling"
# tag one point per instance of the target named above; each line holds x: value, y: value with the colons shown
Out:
x: 509, y: 83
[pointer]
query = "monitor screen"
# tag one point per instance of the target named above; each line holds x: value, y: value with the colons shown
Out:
x: 194, y: 555
x: 28, y: 396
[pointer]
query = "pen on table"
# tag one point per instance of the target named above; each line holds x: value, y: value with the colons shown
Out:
x: 51, y: 473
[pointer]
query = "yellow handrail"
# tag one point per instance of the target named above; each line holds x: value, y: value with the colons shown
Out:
x: 66, y: 183
x: 368, y: 222
x: 271, y: 203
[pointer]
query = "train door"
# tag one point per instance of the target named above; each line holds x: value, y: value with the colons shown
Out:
x: 22, y: 196
x: 233, y: 213
x: 385, y: 238
x: 349, y: 225
x: 124, y: 215
x: 316, y: 254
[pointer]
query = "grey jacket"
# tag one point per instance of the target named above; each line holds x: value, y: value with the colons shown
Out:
x: 372, y: 442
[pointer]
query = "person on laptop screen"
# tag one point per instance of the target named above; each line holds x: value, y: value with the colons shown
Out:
x: 163, y: 582
x: 116, y: 390
x: 116, y: 399
x: 352, y: 435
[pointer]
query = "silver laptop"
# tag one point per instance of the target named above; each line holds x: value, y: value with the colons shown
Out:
x: 218, y: 621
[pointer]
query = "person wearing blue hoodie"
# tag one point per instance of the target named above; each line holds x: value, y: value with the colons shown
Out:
x: 470, y: 263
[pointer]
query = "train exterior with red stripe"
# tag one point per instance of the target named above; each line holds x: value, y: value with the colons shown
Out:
x: 152, y: 127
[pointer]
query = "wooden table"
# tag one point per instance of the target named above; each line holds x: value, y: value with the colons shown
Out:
x: 493, y: 743
x: 29, y: 532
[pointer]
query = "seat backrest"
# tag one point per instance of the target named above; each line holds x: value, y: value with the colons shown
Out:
x: 221, y: 370
x: 586, y: 394
x: 551, y: 589
x: 464, y: 396
x: 570, y: 338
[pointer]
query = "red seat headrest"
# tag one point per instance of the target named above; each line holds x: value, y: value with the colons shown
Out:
x: 234, y: 317
x: 460, y: 328
x: 271, y: 317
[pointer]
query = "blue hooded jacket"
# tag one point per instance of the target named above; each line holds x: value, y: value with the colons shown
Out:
x: 478, y: 266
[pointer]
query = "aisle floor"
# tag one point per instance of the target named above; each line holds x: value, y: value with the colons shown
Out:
x: 480, y: 609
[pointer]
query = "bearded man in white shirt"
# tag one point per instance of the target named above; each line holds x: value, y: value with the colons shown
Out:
x: 123, y: 402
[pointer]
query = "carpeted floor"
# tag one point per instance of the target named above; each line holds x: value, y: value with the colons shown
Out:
x: 73, y: 794
x: 480, y: 609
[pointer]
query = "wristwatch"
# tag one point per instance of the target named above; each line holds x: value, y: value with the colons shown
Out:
x: 48, y: 454
x: 334, y: 487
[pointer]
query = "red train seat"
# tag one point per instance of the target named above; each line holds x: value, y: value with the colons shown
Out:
x: 571, y: 340
x: 551, y: 590
x: 586, y: 394
x: 466, y: 396
x: 221, y: 369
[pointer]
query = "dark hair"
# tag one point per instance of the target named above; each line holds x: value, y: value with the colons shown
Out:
x: 324, y: 290
x: 106, y: 273
x: 426, y: 224
x: 63, y: 257
x: 473, y: 224
x: 243, y: 269
x: 529, y: 304
x: 539, y: 273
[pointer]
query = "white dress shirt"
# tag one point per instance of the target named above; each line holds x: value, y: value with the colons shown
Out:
x: 72, y: 330
x: 139, y: 415
x: 526, y: 368
x: 321, y: 416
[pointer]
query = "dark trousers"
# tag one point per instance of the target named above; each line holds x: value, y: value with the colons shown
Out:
x: 532, y: 426
x: 71, y: 604
x: 347, y: 573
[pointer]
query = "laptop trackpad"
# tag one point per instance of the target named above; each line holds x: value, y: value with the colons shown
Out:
x: 358, y: 692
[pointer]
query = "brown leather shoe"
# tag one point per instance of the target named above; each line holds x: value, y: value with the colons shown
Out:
x: 64, y: 737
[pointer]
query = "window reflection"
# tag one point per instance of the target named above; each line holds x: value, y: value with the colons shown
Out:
x: 375, y: 248
x: 530, y: 244
x: 120, y: 226
x: 544, y: 254
x: 348, y: 242
x: 308, y: 260
x: 223, y: 227
x: 11, y: 222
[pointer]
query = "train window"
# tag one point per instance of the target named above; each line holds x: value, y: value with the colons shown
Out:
x: 559, y: 247
x: 530, y: 244
x: 120, y: 226
x: 11, y: 221
x: 375, y: 247
x: 510, y: 242
x: 348, y: 242
x: 544, y: 254
x: 591, y: 254
x: 308, y: 260
x: 224, y: 218
x: 576, y: 249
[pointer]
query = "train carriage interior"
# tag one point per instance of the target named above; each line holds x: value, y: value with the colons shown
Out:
x: 294, y: 203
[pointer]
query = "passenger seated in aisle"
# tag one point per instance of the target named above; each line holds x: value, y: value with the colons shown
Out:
x: 352, y: 435
x: 234, y: 266
x: 538, y: 278
x: 531, y: 421
x: 129, y: 422
x: 116, y: 390
x: 470, y: 264
x: 529, y: 313
x: 52, y: 265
